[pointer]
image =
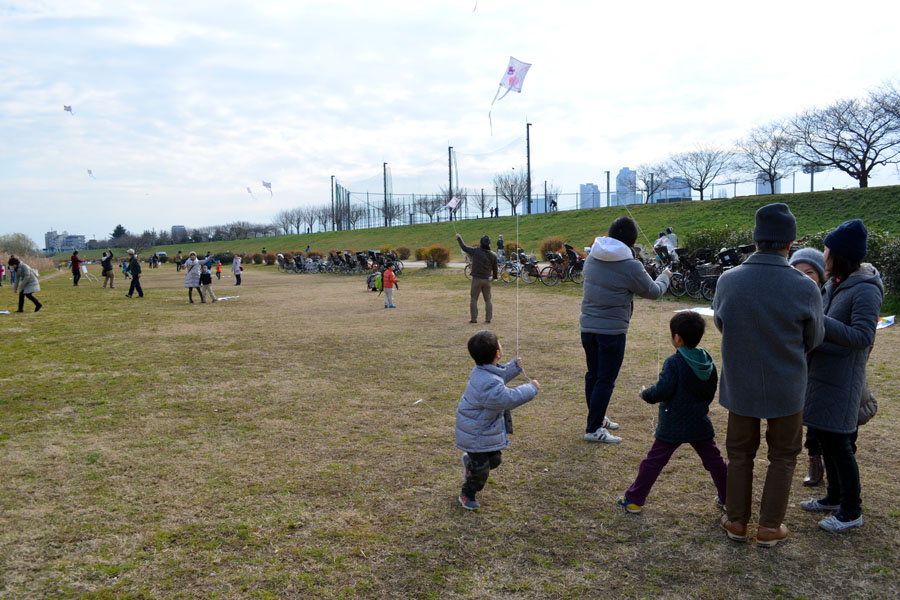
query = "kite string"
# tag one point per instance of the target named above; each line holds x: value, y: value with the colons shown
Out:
x: 518, y: 276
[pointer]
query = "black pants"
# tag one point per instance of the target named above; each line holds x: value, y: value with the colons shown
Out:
x: 136, y: 285
x: 838, y: 452
x: 238, y: 277
x: 480, y: 465
x: 811, y: 444
x: 23, y: 295
x: 76, y: 275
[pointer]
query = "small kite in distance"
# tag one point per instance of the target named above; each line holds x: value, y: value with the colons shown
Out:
x: 68, y: 109
x: 512, y: 80
x: 91, y: 174
x: 268, y: 186
x: 251, y: 193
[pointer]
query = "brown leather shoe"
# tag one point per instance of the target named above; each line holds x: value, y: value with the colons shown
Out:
x: 816, y: 472
x: 768, y: 537
x: 736, y: 531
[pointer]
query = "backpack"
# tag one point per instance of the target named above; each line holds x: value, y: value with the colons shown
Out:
x: 370, y: 283
x: 379, y: 282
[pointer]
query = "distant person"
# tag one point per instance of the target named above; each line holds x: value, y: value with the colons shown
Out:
x: 2, y: 274
x: 389, y: 283
x: 483, y: 417
x: 206, y: 286
x: 178, y: 260
x: 500, y: 245
x: 134, y: 267
x: 492, y: 212
x: 612, y: 276
x: 107, y: 270
x: 670, y: 233
x: 684, y: 391
x: 192, y: 277
x: 236, y: 269
x: 484, y: 270
x: 770, y: 316
x: 307, y: 249
x: 76, y: 267
x: 218, y: 269
x: 26, y: 283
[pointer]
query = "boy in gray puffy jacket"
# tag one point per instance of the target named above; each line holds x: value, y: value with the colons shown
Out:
x: 482, y: 416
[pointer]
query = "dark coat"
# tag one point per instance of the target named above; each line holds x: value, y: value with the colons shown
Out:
x: 484, y: 262
x: 837, y: 368
x: 683, y: 402
x: 770, y: 316
x: 134, y: 265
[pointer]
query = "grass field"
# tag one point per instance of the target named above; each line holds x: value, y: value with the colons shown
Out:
x: 269, y: 446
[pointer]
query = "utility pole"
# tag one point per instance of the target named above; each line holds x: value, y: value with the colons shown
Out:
x: 607, y: 189
x: 332, y: 198
x: 545, y: 196
x: 385, y: 197
x: 650, y: 191
x: 482, y: 203
x: 450, y: 177
x: 528, y: 153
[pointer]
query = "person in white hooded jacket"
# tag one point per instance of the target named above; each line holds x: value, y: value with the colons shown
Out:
x: 612, y: 276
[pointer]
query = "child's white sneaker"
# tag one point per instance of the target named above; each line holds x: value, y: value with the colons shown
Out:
x: 602, y: 436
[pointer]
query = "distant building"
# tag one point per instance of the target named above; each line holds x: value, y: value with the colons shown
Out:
x: 626, y: 183
x: 178, y: 232
x: 589, y: 196
x: 762, y: 184
x: 63, y: 242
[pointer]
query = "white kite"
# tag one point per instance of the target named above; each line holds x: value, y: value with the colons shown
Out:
x: 454, y: 202
x: 512, y: 80
x: 251, y: 193
x: 268, y: 186
x: 68, y: 109
x: 91, y: 174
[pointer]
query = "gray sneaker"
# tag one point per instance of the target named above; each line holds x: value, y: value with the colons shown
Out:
x: 818, y: 506
x: 834, y: 524
x: 602, y: 436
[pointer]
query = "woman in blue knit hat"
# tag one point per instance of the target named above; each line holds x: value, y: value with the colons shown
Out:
x: 837, y: 370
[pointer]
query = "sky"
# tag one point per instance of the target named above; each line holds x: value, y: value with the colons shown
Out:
x: 178, y: 107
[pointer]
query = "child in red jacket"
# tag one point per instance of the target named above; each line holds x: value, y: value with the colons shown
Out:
x: 388, y: 283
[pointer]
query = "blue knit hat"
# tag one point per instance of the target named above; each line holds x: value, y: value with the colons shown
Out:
x: 775, y: 223
x: 848, y: 240
x: 811, y: 256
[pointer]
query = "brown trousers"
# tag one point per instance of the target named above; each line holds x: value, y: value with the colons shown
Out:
x: 109, y: 277
x: 784, y: 437
x: 481, y: 287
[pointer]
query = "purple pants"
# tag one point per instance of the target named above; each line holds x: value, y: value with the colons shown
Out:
x: 659, y: 456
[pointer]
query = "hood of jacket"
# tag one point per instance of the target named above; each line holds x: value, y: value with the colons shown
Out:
x: 699, y: 360
x: 610, y: 250
x: 866, y: 273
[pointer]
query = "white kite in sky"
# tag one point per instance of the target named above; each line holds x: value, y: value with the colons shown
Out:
x: 268, y: 186
x: 251, y: 193
x: 512, y: 80
x: 68, y: 109
x: 91, y: 174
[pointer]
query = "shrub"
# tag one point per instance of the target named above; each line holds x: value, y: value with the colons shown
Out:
x: 163, y: 258
x: 551, y: 244
x: 257, y: 259
x: 717, y: 238
x: 225, y: 257
x: 420, y: 253
x: 271, y: 258
x: 436, y: 256
x: 403, y: 252
x: 314, y: 254
x: 386, y: 249
x: 288, y: 256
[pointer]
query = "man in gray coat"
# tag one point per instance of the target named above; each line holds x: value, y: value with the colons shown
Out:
x: 770, y: 316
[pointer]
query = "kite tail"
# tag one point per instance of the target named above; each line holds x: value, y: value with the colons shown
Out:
x: 499, y: 87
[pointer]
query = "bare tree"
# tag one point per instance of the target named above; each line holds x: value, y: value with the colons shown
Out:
x: 650, y: 179
x: 447, y: 194
x: 701, y: 167
x: 512, y: 187
x: 310, y: 215
x: 767, y: 150
x: 323, y: 215
x: 552, y: 197
x: 284, y: 220
x: 391, y: 211
x: 853, y: 136
x: 429, y: 205
x: 481, y: 201
x: 354, y: 214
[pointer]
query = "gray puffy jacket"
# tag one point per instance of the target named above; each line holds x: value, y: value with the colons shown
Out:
x: 480, y: 426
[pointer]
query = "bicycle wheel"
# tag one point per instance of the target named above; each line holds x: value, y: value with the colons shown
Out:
x: 528, y: 275
x: 708, y: 288
x: 692, y: 285
x: 576, y: 275
x: 468, y: 271
x: 398, y: 266
x: 549, y: 276
x: 676, y: 285
x: 503, y: 274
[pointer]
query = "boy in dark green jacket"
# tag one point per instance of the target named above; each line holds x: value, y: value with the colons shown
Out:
x: 686, y: 387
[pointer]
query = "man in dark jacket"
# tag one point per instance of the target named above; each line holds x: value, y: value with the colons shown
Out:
x: 76, y: 267
x: 770, y: 316
x: 484, y: 269
x: 134, y: 267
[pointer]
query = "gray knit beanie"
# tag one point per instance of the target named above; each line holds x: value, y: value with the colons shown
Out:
x: 812, y: 257
x: 775, y: 223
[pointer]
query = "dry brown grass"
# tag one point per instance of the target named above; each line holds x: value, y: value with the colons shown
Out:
x: 269, y: 447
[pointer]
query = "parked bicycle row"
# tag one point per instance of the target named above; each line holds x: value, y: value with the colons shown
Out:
x: 564, y: 266
x: 340, y: 262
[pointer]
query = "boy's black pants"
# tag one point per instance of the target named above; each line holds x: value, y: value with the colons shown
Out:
x: 480, y: 465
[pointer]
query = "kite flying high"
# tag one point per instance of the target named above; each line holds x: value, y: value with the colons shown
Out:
x: 512, y: 80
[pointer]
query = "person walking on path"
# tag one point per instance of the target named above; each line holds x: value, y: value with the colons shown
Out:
x: 134, y: 267
x: 484, y: 270
x: 107, y: 270
x: 236, y: 268
x: 612, y: 276
x: 206, y: 286
x: 837, y: 371
x: 26, y: 283
x: 76, y: 267
x: 770, y: 317
x: 192, y: 277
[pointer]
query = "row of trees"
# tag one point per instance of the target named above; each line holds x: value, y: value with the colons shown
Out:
x: 854, y: 136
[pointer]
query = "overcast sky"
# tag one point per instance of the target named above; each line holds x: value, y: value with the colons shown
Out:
x: 180, y: 106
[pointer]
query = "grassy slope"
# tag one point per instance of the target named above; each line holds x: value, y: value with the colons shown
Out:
x: 878, y: 207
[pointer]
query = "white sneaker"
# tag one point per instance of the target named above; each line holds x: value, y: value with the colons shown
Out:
x: 832, y: 523
x: 602, y: 436
x: 609, y: 424
x: 817, y: 505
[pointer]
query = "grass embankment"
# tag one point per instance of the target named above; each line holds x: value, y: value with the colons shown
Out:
x: 270, y: 446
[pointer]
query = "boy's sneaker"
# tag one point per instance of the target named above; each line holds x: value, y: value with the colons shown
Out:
x: 835, y: 525
x: 607, y: 424
x: 719, y: 504
x: 392, y: 306
x: 602, y: 436
x: 469, y: 503
x: 629, y: 506
x: 467, y: 465
x: 819, y: 505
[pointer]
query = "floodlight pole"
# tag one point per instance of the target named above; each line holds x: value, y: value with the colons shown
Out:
x: 385, y: 196
x: 332, y: 200
x: 528, y: 158
x: 607, y: 189
x: 450, y: 177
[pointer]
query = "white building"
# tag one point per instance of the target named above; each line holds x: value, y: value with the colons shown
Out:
x: 62, y: 242
x: 762, y: 184
x: 589, y: 196
x: 626, y: 183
